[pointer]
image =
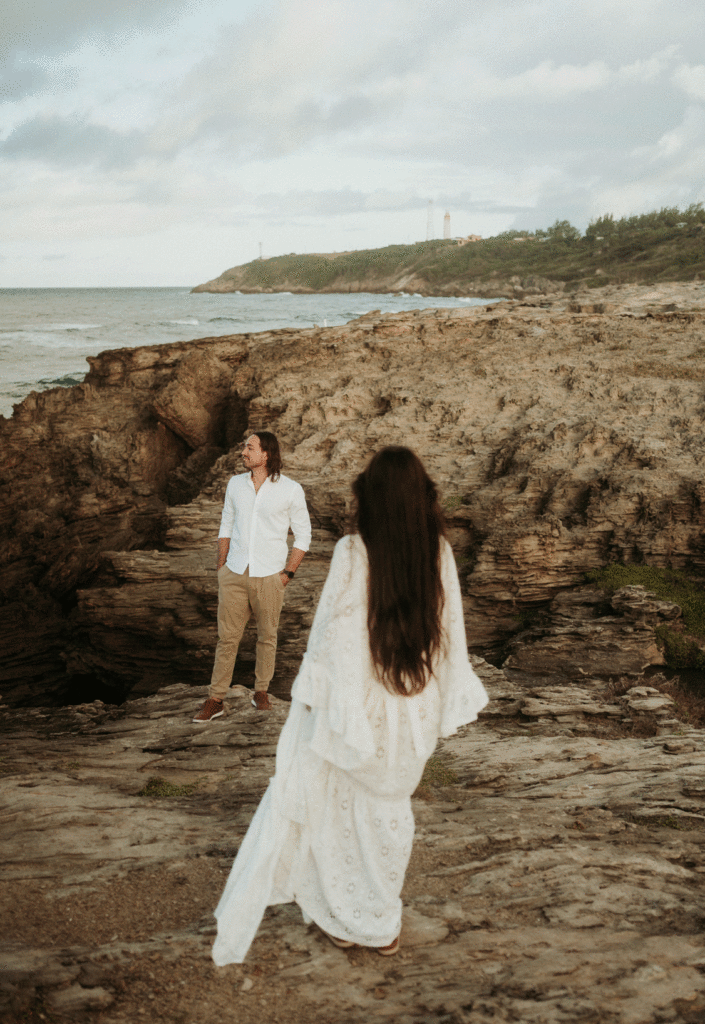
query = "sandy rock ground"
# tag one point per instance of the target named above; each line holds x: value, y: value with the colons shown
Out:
x: 637, y: 298
x: 557, y: 872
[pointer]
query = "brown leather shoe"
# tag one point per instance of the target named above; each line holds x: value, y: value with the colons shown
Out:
x: 261, y: 701
x: 211, y: 709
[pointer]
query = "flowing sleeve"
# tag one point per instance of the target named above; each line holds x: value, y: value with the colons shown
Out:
x: 462, y: 694
x: 335, y: 672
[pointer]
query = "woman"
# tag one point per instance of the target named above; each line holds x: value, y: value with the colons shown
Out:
x: 385, y: 673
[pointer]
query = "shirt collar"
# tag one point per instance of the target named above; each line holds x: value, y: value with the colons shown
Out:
x: 251, y: 482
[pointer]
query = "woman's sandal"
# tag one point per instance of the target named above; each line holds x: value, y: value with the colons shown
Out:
x: 340, y: 943
x: 389, y: 950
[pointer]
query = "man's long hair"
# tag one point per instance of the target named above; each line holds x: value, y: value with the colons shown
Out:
x: 270, y: 446
x: 401, y: 524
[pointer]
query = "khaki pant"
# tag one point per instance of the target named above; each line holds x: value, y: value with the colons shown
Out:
x: 239, y: 597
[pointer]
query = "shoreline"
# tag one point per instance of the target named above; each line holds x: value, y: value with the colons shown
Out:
x: 49, y: 334
x: 688, y: 294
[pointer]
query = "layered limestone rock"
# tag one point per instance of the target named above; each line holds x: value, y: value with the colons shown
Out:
x: 563, y: 435
x: 556, y: 874
x: 584, y: 632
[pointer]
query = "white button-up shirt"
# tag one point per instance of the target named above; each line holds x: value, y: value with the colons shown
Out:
x: 257, y: 523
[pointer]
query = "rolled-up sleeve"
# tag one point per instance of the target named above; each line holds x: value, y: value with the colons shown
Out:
x: 227, y: 520
x: 299, y: 519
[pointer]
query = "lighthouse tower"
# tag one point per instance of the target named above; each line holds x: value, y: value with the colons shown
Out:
x: 446, y: 225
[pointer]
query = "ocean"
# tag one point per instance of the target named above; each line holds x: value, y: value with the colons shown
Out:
x: 46, y: 333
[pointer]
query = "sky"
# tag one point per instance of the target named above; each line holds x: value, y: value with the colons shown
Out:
x: 161, y: 142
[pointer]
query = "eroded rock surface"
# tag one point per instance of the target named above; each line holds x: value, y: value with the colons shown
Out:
x: 557, y: 873
x: 584, y: 632
x: 565, y: 433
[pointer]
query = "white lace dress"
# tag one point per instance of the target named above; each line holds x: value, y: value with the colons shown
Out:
x: 334, y: 830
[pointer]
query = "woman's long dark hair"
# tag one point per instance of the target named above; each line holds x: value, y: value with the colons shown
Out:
x: 400, y: 521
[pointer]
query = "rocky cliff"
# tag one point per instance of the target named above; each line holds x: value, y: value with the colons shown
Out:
x: 412, y: 282
x: 662, y: 246
x: 564, y: 433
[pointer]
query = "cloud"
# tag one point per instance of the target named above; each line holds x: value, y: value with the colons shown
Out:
x: 302, y: 71
x: 298, y: 120
x: 70, y: 141
x: 691, y: 79
x: 649, y: 68
x: 682, y: 139
x: 39, y: 36
x: 32, y: 26
x: 545, y: 82
x: 22, y: 78
x: 415, y: 80
x: 341, y: 202
x: 668, y: 172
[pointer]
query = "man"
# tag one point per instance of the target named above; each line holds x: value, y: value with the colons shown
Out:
x: 253, y: 568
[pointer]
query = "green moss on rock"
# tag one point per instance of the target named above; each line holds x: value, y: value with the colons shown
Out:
x: 680, y: 646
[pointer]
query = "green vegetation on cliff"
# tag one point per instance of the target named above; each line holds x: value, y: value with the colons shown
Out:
x: 682, y: 646
x: 316, y: 272
x: 666, y: 245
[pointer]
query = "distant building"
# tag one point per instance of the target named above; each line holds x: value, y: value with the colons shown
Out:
x: 469, y: 238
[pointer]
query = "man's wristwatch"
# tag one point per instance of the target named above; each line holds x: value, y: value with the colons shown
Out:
x: 287, y: 572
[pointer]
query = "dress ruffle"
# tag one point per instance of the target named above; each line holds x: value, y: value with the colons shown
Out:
x: 332, y: 680
x: 340, y: 730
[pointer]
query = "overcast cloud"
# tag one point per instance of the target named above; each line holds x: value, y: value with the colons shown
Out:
x: 162, y: 142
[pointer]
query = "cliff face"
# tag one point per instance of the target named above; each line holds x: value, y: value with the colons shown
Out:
x: 90, y: 469
x: 563, y: 437
x: 509, y: 286
x: 657, y: 247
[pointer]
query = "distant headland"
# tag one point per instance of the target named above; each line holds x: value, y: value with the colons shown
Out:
x: 666, y: 245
